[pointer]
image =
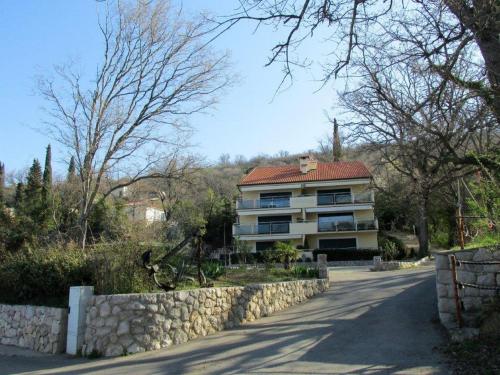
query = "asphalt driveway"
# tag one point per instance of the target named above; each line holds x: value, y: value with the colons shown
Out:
x: 367, y: 323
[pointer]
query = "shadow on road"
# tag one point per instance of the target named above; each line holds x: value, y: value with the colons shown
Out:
x: 377, y: 324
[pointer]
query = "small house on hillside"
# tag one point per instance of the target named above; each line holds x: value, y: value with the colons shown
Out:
x: 144, y: 211
x: 313, y: 205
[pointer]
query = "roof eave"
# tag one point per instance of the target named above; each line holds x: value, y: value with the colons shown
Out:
x: 296, y: 182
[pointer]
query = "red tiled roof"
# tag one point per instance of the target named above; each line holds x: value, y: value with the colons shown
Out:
x: 340, y: 170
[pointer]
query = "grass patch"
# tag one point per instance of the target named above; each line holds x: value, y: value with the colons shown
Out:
x: 488, y: 240
x: 243, y: 276
x: 475, y: 356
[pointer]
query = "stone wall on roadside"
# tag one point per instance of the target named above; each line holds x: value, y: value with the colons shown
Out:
x: 132, y: 323
x: 39, y: 328
x: 477, y: 274
x: 391, y: 265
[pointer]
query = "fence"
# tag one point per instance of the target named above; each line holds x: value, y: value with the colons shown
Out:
x: 465, y: 282
x: 459, y: 285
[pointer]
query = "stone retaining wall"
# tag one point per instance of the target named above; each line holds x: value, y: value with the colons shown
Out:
x: 131, y: 323
x: 39, y: 328
x: 472, y: 299
x: 312, y: 264
x: 379, y: 265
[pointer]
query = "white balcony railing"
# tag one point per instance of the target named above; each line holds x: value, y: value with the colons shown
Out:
x: 304, y: 227
x: 305, y: 201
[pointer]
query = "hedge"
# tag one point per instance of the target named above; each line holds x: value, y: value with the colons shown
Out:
x: 346, y: 254
x: 44, y: 276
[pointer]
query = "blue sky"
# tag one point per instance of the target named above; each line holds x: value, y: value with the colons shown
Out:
x: 248, y: 120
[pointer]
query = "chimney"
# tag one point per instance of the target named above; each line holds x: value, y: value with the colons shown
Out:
x: 307, y: 163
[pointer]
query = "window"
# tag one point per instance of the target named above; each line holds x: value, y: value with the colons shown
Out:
x: 338, y: 243
x: 264, y: 245
x: 342, y: 221
x: 335, y: 196
x: 275, y: 200
x: 274, y: 224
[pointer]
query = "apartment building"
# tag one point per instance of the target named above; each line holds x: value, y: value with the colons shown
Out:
x: 313, y: 205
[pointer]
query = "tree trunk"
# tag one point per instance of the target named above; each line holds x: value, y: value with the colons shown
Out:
x: 423, y: 227
x: 490, y: 50
x: 482, y: 18
x: 83, y: 231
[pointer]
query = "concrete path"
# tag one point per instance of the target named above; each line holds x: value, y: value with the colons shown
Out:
x: 368, y: 323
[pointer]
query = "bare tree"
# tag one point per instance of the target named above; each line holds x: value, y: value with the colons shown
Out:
x: 441, y: 29
x: 419, y: 123
x: 156, y: 70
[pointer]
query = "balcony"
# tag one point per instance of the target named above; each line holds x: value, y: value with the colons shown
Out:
x: 344, y: 198
x: 304, y: 227
x: 348, y: 226
x: 305, y: 201
x: 250, y: 204
x: 264, y: 228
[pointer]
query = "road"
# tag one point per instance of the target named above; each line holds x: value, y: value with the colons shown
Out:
x: 367, y: 323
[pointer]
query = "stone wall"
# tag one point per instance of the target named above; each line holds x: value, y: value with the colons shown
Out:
x: 131, y: 323
x: 380, y: 265
x: 471, y: 298
x: 39, y: 328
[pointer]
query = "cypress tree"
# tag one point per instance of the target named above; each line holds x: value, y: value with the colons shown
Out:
x: 2, y: 183
x: 32, y: 205
x: 47, y: 173
x: 337, y: 148
x: 71, y: 169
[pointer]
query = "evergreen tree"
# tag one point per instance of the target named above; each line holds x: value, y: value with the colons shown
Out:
x: 34, y: 181
x: 47, y: 174
x: 33, y: 207
x: 337, y: 148
x: 71, y: 170
x: 2, y: 183
x: 19, y: 196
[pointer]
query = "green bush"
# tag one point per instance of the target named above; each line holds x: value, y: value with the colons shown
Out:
x: 116, y: 267
x: 345, y: 254
x: 43, y: 276
x: 389, y: 250
x: 440, y: 239
x: 305, y: 272
x: 402, y: 251
x: 213, y: 269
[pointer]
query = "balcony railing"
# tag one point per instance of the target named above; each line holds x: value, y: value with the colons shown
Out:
x: 264, y: 228
x: 347, y: 226
x: 305, y: 201
x: 279, y: 202
x: 344, y: 198
x: 304, y: 227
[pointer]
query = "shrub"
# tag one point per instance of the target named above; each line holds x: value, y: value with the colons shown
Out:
x: 345, y: 254
x: 42, y: 277
x: 117, y: 267
x: 305, y: 272
x: 389, y: 250
x: 213, y: 269
x: 402, y: 252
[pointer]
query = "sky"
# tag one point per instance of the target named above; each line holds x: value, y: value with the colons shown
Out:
x: 248, y: 120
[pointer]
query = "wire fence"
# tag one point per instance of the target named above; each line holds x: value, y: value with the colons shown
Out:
x: 459, y: 285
